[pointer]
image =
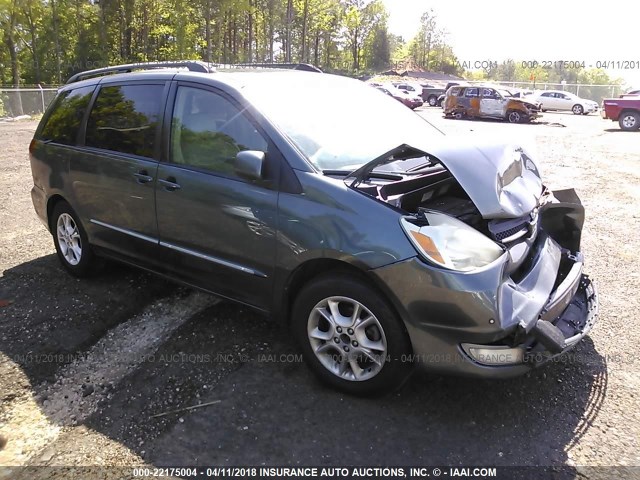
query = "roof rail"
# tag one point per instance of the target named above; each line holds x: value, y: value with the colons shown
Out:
x: 192, y: 65
x: 306, y: 67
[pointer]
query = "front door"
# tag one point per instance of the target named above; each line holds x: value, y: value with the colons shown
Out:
x: 492, y: 104
x: 564, y: 102
x: 548, y: 101
x: 217, y: 229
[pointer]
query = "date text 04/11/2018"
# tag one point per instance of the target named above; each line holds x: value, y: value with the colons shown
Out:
x: 580, y: 64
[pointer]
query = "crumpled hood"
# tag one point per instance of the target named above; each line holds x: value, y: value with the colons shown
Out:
x: 501, y: 179
x: 531, y: 101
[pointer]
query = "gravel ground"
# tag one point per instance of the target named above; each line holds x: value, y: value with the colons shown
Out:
x: 87, y: 366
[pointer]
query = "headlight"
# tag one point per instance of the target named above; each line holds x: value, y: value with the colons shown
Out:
x: 450, y: 243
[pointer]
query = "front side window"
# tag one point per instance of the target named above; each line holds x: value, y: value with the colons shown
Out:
x: 125, y: 118
x: 208, y: 131
x: 63, y: 123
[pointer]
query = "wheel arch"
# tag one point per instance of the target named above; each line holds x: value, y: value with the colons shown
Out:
x: 628, y: 110
x: 54, y: 200
x: 315, y: 268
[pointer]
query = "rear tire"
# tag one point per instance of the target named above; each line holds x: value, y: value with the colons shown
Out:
x: 350, y: 336
x: 71, y: 242
x: 629, y: 121
x: 432, y: 101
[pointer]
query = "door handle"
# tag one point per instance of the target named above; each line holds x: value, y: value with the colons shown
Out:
x: 170, y: 184
x: 143, y: 176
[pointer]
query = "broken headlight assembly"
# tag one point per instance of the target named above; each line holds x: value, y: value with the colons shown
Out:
x: 448, y: 242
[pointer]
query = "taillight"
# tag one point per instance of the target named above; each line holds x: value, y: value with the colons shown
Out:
x: 32, y: 145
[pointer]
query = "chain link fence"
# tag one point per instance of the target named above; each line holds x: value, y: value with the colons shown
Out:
x: 593, y: 92
x: 28, y: 100
x: 33, y: 100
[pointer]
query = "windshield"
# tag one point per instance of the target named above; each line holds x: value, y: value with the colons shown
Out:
x: 336, y: 122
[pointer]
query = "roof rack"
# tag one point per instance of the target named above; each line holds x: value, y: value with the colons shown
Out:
x: 191, y: 65
x: 306, y: 67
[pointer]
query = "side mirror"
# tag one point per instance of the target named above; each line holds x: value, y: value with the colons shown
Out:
x: 249, y: 164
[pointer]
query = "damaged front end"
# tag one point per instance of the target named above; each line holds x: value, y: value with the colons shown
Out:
x: 504, y: 288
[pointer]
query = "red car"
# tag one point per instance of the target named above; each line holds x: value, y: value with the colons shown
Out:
x: 411, y: 101
x: 626, y: 110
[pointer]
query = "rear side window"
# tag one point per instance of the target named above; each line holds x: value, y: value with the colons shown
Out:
x: 66, y: 115
x: 471, y: 92
x: 124, y: 119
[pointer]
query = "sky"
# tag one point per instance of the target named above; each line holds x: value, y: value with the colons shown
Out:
x: 544, y: 30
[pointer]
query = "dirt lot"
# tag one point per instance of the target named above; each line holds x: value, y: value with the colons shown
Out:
x: 85, y: 365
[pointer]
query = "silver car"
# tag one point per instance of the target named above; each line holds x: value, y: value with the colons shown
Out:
x: 565, y: 101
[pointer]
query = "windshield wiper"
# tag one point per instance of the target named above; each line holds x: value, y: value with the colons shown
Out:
x: 401, y: 152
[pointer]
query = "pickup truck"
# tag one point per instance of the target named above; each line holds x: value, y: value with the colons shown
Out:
x: 626, y: 110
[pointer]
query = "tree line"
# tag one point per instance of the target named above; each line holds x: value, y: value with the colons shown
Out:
x: 46, y: 41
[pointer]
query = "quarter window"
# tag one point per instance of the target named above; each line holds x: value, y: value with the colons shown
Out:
x: 66, y: 116
x: 125, y: 119
x: 208, y: 131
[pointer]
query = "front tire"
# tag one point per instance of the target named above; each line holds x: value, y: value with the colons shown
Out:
x: 629, y: 121
x: 71, y: 242
x: 432, y: 101
x: 350, y: 336
x: 577, y: 109
x: 514, y: 116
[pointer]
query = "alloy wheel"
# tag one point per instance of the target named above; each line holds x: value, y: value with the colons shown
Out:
x: 69, y: 239
x: 347, y: 338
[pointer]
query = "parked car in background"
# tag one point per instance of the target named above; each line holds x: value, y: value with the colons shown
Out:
x: 428, y: 93
x: 477, y: 101
x: 521, y: 93
x: 411, y: 100
x: 624, y: 110
x: 409, y: 87
x: 565, y: 101
x: 631, y: 93
x: 377, y: 241
x: 431, y: 94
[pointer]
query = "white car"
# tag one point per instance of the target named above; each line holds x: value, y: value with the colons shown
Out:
x: 559, y: 100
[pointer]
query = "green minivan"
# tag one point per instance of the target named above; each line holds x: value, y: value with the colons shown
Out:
x: 379, y: 242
